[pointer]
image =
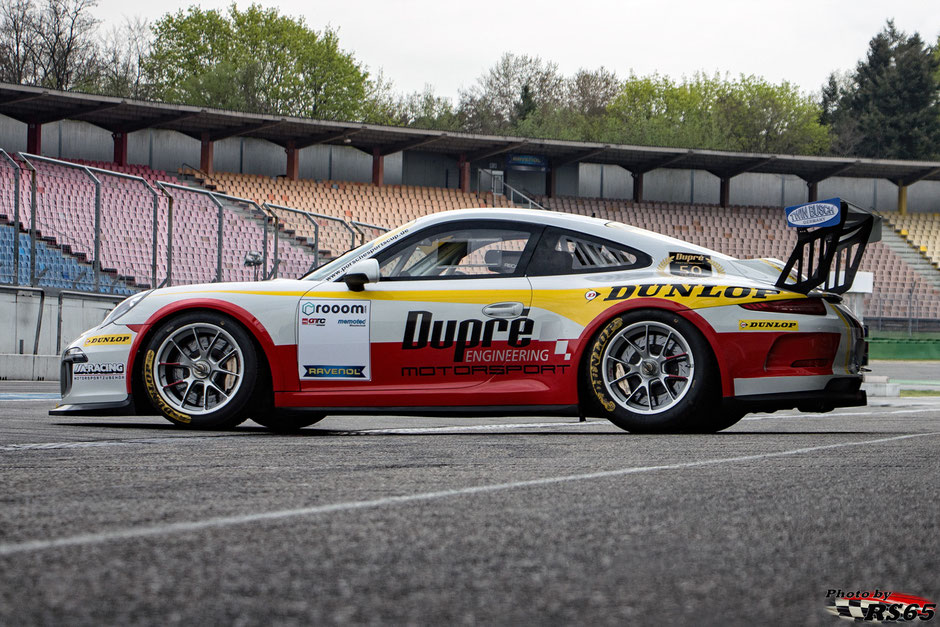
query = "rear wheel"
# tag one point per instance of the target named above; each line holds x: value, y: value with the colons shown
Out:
x: 651, y: 371
x: 199, y: 371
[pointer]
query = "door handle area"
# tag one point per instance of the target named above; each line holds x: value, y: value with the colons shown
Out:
x: 504, y: 310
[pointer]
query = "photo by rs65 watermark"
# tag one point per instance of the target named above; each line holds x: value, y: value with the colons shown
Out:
x: 878, y: 606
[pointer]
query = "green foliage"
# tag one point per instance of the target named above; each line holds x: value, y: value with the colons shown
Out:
x: 748, y: 114
x: 890, y: 107
x: 254, y: 60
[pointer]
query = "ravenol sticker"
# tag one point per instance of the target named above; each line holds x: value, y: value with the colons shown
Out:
x: 769, y: 325
x: 821, y: 213
x: 108, y: 340
x: 334, y: 372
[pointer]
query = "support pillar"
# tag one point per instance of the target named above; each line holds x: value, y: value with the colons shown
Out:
x: 550, y: 181
x: 637, y: 187
x: 378, y: 167
x: 812, y: 191
x: 463, y: 174
x: 902, y: 199
x: 724, y: 192
x: 34, y: 138
x: 207, y: 154
x: 293, y: 162
x: 120, y: 147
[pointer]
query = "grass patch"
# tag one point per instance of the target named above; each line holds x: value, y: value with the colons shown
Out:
x: 910, y: 393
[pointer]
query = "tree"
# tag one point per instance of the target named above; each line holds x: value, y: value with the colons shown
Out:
x: 53, y: 44
x: 748, y: 114
x: 425, y: 110
x: 657, y: 111
x: 19, y: 42
x: 516, y: 84
x: 68, y: 47
x: 255, y: 60
x: 891, y: 107
x: 123, y: 52
x: 590, y: 92
x: 756, y: 116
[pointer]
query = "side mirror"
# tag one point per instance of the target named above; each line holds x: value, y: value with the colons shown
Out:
x: 360, y: 273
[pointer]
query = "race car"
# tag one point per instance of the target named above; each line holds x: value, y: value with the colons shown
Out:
x: 494, y: 312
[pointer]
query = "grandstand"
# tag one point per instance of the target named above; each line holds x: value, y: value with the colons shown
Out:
x: 385, y: 206
x: 921, y: 230
x: 749, y: 232
x: 65, y: 197
x: 323, y: 213
x: 65, y: 221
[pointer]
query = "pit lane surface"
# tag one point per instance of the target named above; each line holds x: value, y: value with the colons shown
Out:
x: 380, y: 520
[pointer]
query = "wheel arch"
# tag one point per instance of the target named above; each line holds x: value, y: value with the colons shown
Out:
x: 264, y: 345
x: 594, y: 328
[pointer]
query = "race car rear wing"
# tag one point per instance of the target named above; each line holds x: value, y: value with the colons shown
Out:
x: 829, y: 232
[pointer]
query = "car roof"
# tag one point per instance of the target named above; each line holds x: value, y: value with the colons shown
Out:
x: 648, y: 241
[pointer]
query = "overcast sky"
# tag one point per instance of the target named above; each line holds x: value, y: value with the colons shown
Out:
x: 448, y: 43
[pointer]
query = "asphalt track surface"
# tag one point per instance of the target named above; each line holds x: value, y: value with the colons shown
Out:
x: 429, y: 521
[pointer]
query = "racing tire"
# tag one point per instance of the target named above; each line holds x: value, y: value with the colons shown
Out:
x: 651, y: 371
x: 716, y: 421
x: 287, y: 421
x: 199, y: 371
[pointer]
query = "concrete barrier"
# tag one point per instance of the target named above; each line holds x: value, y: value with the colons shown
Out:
x: 29, y: 367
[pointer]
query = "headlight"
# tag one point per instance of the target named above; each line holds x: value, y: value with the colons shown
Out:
x: 124, y: 306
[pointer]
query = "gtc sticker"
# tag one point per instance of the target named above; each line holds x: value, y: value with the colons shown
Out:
x: 769, y: 325
x: 108, y: 340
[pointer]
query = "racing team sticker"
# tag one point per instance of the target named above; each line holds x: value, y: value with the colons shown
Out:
x: 690, y: 264
x: 333, y: 340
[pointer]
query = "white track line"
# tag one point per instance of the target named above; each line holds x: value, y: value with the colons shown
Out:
x: 839, y: 414
x: 49, y: 446
x: 227, y: 521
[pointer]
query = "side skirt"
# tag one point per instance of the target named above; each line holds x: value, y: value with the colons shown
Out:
x: 441, y: 412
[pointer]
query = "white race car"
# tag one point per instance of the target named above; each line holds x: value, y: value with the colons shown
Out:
x: 495, y: 312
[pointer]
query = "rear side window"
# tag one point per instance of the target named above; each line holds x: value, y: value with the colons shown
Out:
x: 566, y: 252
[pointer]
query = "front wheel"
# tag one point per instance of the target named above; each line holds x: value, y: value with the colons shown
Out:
x: 199, y: 370
x: 286, y: 420
x: 651, y: 371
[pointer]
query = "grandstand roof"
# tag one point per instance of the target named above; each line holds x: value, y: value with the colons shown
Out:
x: 34, y: 105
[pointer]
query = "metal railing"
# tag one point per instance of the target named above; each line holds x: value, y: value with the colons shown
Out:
x: 912, y: 311
x: 498, y: 185
x: 365, y: 225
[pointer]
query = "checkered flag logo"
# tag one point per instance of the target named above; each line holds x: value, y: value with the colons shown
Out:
x: 853, y: 609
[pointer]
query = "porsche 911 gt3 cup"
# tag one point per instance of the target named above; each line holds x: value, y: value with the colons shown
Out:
x: 496, y: 312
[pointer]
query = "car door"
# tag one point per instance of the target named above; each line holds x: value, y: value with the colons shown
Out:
x: 449, y: 312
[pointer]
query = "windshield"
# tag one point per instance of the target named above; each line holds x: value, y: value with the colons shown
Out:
x: 329, y: 268
x: 335, y: 268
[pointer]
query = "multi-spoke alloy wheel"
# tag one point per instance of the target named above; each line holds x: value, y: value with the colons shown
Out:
x: 199, y: 370
x: 651, y: 371
x: 647, y: 367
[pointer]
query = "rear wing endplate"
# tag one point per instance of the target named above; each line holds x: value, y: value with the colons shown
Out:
x: 831, y: 238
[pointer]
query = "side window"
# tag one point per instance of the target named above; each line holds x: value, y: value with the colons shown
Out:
x: 458, y: 251
x: 567, y: 252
